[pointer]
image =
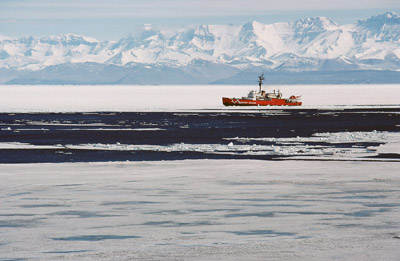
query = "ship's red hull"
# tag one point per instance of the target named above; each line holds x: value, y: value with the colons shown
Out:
x: 270, y: 102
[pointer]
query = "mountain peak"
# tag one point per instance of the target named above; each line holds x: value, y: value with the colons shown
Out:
x: 388, y: 17
x: 389, y: 14
x: 316, y: 23
x: 73, y: 38
x: 308, y: 29
x: 252, y: 28
x: 249, y: 26
x: 384, y: 27
x: 148, y: 27
x: 147, y: 33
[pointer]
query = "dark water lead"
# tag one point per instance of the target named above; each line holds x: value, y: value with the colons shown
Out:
x: 165, y: 129
x: 19, y: 223
x: 94, y: 238
x: 262, y: 232
x: 13, y: 259
x: 66, y: 251
x: 367, y: 213
x: 178, y: 224
x: 44, y: 206
x: 82, y: 214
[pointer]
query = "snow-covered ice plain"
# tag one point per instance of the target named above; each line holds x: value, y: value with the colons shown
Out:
x: 72, y: 98
x: 315, y: 182
x: 201, y: 210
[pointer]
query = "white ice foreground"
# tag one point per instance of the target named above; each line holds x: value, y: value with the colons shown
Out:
x: 201, y: 210
x: 60, y: 98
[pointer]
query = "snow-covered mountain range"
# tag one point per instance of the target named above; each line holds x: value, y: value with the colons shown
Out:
x: 212, y: 53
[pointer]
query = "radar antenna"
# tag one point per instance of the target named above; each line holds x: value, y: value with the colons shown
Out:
x: 260, y: 80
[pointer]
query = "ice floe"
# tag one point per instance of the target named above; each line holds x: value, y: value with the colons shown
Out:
x: 327, y: 145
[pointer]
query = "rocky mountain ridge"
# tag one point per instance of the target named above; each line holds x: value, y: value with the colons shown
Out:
x: 207, y: 53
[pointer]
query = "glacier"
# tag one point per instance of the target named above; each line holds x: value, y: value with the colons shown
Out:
x: 310, y: 50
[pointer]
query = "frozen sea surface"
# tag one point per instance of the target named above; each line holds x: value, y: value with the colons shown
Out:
x: 60, y: 98
x: 200, y: 210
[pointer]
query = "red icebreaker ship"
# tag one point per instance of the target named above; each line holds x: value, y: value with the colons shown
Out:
x: 262, y: 98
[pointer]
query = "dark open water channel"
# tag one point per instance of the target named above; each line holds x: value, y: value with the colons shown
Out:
x: 63, y: 130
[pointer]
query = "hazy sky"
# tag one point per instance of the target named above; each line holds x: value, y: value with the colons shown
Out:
x: 113, y: 19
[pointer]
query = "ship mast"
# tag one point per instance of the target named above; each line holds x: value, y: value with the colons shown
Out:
x: 260, y: 81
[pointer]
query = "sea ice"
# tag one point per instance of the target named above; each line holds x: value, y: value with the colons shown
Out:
x: 177, y: 98
x: 298, y: 146
x: 200, y: 210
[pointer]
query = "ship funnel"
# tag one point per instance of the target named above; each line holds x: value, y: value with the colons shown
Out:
x: 260, y: 80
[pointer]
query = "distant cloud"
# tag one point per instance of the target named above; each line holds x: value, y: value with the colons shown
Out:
x: 113, y: 19
x: 70, y: 9
x: 8, y: 21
